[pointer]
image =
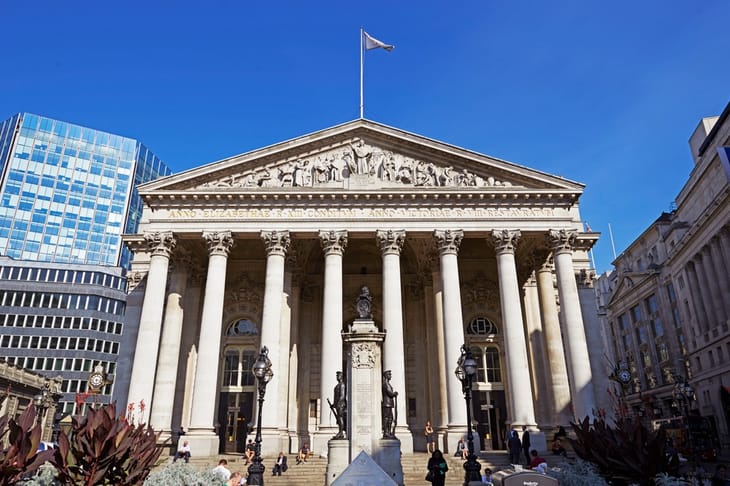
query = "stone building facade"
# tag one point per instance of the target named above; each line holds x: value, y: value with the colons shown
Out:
x: 666, y: 307
x: 272, y: 247
x: 20, y: 388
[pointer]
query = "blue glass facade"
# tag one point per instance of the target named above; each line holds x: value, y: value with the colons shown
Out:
x: 69, y: 192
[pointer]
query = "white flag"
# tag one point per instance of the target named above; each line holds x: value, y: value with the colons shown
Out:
x: 373, y: 43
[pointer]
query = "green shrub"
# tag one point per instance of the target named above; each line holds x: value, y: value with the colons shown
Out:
x: 46, y: 476
x: 179, y: 473
x: 578, y: 473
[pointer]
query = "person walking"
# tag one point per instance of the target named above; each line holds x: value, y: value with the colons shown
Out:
x: 515, y: 447
x: 428, y: 432
x: 526, y: 444
x: 437, y: 468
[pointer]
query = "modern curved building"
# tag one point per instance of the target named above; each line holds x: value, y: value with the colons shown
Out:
x: 67, y: 193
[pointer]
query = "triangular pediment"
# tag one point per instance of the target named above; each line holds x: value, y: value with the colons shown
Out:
x: 628, y: 283
x: 360, y: 155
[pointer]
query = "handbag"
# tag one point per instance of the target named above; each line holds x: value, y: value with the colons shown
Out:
x: 429, y: 476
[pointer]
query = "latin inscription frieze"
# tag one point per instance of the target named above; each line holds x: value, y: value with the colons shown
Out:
x: 362, y: 213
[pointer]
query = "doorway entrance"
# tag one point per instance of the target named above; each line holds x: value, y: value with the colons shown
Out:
x: 235, y: 418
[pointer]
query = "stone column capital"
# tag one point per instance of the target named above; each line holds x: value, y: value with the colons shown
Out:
x: 276, y: 242
x: 161, y: 243
x: 562, y: 241
x: 219, y: 242
x: 333, y: 242
x: 448, y: 241
x: 504, y: 240
x: 391, y: 241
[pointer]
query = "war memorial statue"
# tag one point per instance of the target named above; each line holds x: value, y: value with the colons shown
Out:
x: 339, y: 407
x: 389, y: 398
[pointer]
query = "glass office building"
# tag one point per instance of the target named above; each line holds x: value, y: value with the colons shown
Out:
x: 67, y: 194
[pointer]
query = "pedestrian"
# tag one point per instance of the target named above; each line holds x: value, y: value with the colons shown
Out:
x: 536, y: 460
x: 236, y: 479
x: 428, y: 432
x: 222, y: 471
x: 526, y: 444
x: 514, y: 444
x: 720, y: 478
x: 437, y: 468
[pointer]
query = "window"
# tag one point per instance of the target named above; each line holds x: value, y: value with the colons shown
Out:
x: 651, y: 305
x: 657, y: 327
x: 230, y: 368
x: 493, y: 368
x: 671, y: 293
x: 482, y: 326
x: 242, y: 327
x: 481, y: 371
x: 636, y: 314
x: 623, y: 322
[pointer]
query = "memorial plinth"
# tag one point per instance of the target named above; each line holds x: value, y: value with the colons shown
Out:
x: 363, y: 343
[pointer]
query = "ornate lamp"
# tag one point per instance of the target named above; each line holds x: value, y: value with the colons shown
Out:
x: 262, y: 371
x: 466, y: 370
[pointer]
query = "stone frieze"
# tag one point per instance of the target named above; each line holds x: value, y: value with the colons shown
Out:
x: 366, y: 163
x: 361, y: 213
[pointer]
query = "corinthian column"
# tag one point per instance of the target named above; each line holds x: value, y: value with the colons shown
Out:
x: 558, y: 371
x: 276, y: 243
x: 202, y: 418
x: 161, y: 414
x: 391, y: 244
x: 150, y: 321
x: 518, y: 369
x: 579, y: 369
x: 333, y: 245
x: 448, y: 243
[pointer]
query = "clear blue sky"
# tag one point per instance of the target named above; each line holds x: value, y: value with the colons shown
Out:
x: 604, y: 93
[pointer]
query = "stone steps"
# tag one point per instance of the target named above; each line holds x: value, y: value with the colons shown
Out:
x: 312, y: 473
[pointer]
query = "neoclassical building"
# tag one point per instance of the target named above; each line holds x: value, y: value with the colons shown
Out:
x: 272, y: 247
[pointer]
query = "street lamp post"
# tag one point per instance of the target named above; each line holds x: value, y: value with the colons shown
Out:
x: 466, y: 370
x: 262, y: 371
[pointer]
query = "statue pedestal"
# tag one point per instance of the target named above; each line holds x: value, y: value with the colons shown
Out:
x: 338, y: 458
x: 388, y: 458
x: 364, y: 386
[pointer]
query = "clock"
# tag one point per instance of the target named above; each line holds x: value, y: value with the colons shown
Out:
x: 624, y: 376
x: 96, y: 380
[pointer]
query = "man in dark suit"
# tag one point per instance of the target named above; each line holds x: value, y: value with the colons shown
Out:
x: 280, y: 465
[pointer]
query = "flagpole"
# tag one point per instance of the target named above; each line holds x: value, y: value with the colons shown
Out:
x: 613, y: 247
x: 362, y: 105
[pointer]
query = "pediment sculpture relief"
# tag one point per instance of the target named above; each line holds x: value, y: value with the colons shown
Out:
x: 358, y: 160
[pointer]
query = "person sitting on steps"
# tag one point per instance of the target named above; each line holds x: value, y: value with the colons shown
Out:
x: 250, y: 451
x: 280, y: 465
x: 304, y: 453
x: 557, y: 447
x: 183, y: 452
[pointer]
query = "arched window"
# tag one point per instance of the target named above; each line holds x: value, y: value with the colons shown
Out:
x: 243, y: 327
x: 482, y: 326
